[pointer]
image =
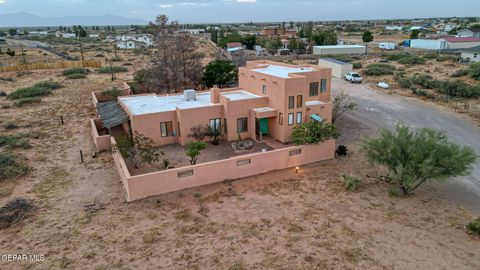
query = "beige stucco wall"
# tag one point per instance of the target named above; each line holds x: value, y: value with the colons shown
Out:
x: 338, y: 70
x: 462, y: 45
x: 145, y: 185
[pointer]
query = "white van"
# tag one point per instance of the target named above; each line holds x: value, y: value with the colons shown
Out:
x: 386, y: 46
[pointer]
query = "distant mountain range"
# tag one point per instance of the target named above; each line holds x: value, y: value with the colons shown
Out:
x: 24, y: 19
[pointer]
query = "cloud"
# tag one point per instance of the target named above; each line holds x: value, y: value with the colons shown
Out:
x: 246, y: 1
x: 171, y: 5
x: 2, y: 1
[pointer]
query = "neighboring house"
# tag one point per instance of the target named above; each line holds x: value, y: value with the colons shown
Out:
x: 38, y: 33
x: 130, y: 44
x: 445, y: 43
x: 471, y: 54
x: 134, y: 41
x: 276, y: 31
x: 416, y: 28
x: 469, y: 33
x: 393, y: 27
x: 192, y: 31
x: 68, y: 35
x: 454, y: 43
x: 231, y: 45
x: 93, y: 35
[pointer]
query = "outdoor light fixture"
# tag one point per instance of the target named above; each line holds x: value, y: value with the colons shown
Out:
x: 296, y: 169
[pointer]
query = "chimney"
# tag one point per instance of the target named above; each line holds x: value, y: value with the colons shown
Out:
x: 215, y: 95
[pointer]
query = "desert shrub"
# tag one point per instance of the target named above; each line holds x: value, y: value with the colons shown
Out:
x: 114, y: 69
x: 39, y: 89
x: 112, y: 92
x: 474, y: 71
x: 474, y: 226
x: 351, y: 182
x: 459, y: 73
x: 313, y: 132
x: 342, y: 150
x: 6, y: 79
x: 413, y: 157
x: 10, y: 125
x: 52, y: 85
x: 411, y: 60
x: 2, y: 94
x: 14, y: 211
x: 10, y: 166
x: 357, y: 65
x: 424, y: 80
x: 74, y: 71
x: 379, y: 69
x: 75, y: 76
x: 18, y: 140
x: 402, y: 80
x: 459, y: 88
x: 444, y: 58
x: 397, y: 56
x: 99, y: 55
x: 430, y: 55
x: 27, y: 100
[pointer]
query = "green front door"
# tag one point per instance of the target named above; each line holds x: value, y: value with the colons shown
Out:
x: 264, y: 126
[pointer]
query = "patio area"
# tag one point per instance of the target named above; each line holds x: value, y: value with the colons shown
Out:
x: 176, y: 156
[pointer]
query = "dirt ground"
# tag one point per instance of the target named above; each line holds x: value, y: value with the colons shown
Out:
x: 279, y: 220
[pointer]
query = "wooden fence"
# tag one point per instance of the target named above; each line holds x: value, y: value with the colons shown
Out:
x: 55, y: 65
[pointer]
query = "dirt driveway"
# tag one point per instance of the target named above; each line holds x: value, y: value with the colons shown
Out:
x: 377, y: 109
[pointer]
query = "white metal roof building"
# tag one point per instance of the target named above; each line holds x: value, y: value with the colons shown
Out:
x: 339, y: 49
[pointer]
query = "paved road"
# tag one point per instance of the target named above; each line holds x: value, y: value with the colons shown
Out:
x: 26, y: 43
x: 377, y: 109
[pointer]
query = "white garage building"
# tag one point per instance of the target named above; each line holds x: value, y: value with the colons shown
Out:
x: 339, y: 49
x: 339, y: 68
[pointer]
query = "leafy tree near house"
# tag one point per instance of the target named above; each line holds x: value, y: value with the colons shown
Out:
x: 415, y: 157
x: 415, y: 33
x: 474, y: 71
x: 192, y: 149
x: 313, y: 132
x: 219, y: 72
x: 199, y: 132
x: 137, y: 149
x: 12, y: 31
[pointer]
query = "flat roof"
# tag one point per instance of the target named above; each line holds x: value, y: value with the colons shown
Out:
x: 339, y: 46
x: 144, y: 104
x: 281, y: 71
x: 334, y: 61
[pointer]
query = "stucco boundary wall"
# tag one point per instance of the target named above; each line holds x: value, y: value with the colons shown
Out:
x: 161, y: 182
x: 102, y: 142
x: 97, y: 96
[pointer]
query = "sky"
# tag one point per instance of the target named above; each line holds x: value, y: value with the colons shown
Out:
x: 212, y: 11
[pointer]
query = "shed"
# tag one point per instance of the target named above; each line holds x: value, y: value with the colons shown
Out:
x: 339, y: 68
x: 339, y: 49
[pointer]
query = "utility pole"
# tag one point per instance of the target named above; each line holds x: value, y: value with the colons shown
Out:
x: 115, y: 50
x: 81, y: 48
x: 23, y: 55
x: 111, y: 69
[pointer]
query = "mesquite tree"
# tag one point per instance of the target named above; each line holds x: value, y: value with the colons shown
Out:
x: 414, y: 157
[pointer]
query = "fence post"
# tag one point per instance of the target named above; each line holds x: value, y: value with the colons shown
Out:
x: 61, y: 119
x: 81, y: 156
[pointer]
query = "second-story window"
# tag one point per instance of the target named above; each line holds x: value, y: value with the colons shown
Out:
x: 313, y: 89
x: 323, y: 86
x: 291, y: 102
x: 264, y: 89
x: 299, y: 101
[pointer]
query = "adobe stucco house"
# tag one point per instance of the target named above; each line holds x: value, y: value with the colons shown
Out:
x: 270, y: 100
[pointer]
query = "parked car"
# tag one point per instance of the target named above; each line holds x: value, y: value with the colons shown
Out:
x: 353, y: 77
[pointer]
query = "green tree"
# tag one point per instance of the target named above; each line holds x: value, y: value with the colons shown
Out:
x: 249, y: 41
x: 367, y: 36
x: 414, y: 34
x: 414, y: 157
x: 474, y: 70
x: 313, y: 132
x: 219, y: 72
x: 192, y: 149
x: 137, y: 149
x: 12, y: 31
